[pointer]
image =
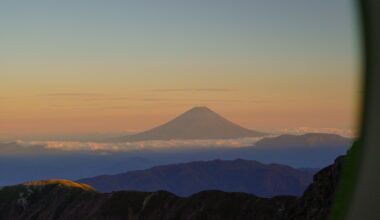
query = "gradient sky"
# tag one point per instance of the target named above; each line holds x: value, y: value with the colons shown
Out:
x: 107, y: 66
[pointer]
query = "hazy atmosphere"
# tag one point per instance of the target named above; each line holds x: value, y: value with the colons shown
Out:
x: 80, y: 67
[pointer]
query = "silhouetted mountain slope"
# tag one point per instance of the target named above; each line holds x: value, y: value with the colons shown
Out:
x: 305, y: 141
x: 66, y: 201
x: 308, y: 150
x: 189, y: 178
x: 196, y: 123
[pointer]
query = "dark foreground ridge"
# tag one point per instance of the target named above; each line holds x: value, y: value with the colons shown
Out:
x: 68, y: 200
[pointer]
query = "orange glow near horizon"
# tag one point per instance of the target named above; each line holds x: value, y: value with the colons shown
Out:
x: 132, y: 66
x: 86, y: 112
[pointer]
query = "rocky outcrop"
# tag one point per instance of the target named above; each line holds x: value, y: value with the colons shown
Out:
x: 317, y: 199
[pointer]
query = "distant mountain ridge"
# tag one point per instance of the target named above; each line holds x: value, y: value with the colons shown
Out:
x: 231, y: 176
x: 308, y: 140
x: 196, y: 123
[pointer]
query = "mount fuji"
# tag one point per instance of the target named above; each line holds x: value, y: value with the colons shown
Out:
x: 196, y: 123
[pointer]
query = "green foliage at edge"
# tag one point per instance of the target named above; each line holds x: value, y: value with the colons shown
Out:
x: 347, y: 182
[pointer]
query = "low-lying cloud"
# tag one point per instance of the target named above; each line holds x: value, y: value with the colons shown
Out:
x: 93, y: 146
x: 143, y: 145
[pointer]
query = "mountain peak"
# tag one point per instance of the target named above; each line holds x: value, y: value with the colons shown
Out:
x: 200, y: 113
x: 200, y: 122
x: 200, y: 108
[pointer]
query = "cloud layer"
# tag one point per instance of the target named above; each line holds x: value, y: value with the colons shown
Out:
x: 92, y: 146
x: 143, y: 145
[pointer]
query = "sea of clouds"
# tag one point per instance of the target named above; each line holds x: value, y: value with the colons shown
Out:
x: 142, y: 145
x: 93, y: 146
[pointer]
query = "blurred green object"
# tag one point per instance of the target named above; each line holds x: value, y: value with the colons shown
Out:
x: 347, y: 182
